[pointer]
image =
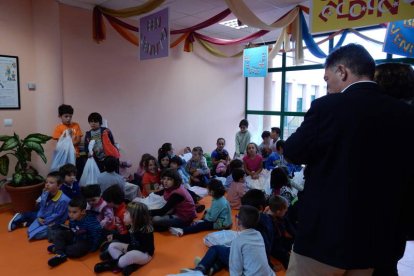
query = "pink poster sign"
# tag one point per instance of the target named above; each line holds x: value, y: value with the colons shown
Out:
x: 154, y: 35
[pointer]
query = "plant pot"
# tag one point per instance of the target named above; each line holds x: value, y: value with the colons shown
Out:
x: 24, y: 198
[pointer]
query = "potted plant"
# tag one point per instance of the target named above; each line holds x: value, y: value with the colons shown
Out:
x: 26, y: 183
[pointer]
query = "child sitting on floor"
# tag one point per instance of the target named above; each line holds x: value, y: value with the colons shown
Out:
x: 98, y: 206
x: 284, y: 231
x: 110, y: 177
x: 237, y: 189
x: 176, y: 164
x: 82, y: 237
x: 217, y: 217
x: 246, y: 256
x: 281, y: 184
x: 163, y: 161
x: 197, y: 168
x: 52, y: 210
x: 234, y: 164
x: 115, y: 199
x: 253, y: 162
x: 247, y: 251
x: 151, y: 178
x: 140, y: 248
x: 220, y: 159
x: 70, y: 186
x: 179, y: 211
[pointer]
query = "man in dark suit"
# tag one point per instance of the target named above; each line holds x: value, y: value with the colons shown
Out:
x: 353, y: 208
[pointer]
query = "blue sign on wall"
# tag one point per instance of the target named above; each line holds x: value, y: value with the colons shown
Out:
x: 400, y: 38
x: 255, y: 62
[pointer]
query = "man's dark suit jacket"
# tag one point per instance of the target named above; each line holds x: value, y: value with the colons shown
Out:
x: 358, y: 148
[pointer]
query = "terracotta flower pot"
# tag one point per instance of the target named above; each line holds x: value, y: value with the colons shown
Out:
x: 24, y: 198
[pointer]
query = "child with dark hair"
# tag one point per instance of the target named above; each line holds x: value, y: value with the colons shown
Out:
x: 96, y: 133
x: 82, y: 237
x: 242, y: 139
x: 138, y: 250
x: 65, y: 114
x: 220, y: 159
x: 234, y: 164
x: 110, y: 177
x: 52, y: 210
x: 237, y: 189
x: 217, y: 217
x: 247, y: 252
x: 98, y: 206
x: 276, y: 159
x: 265, y: 147
x: 115, y: 199
x: 246, y: 256
x: 257, y: 199
x: 151, y: 177
x: 141, y: 170
x: 70, y: 185
x: 176, y: 164
x: 275, y: 136
x: 179, y: 211
x: 284, y: 231
x: 163, y: 161
x: 197, y: 168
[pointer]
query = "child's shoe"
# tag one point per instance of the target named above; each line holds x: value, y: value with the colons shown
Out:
x: 57, y: 260
x: 14, y: 222
x: 105, y: 256
x: 105, y: 266
x: 176, y: 231
x: 184, y: 270
x: 51, y: 249
x: 126, y: 271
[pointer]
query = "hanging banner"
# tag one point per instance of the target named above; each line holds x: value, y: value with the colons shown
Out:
x: 399, y: 39
x: 255, y: 62
x: 339, y: 14
x: 154, y: 33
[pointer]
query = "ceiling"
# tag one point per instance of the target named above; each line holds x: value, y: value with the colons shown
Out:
x: 187, y: 13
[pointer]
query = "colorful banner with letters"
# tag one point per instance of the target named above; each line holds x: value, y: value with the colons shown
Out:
x: 399, y: 39
x: 329, y: 15
x: 154, y: 35
x: 255, y: 62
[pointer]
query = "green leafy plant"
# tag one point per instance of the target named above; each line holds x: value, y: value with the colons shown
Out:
x: 22, y: 149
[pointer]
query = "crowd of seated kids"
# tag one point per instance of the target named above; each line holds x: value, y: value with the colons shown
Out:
x: 78, y: 220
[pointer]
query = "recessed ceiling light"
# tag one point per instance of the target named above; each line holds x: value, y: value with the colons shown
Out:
x: 233, y: 24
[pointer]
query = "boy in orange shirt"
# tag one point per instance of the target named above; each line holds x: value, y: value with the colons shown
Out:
x: 65, y: 114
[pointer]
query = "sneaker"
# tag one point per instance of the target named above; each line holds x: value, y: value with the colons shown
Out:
x: 200, y: 208
x: 104, y: 266
x: 57, y: 260
x: 126, y: 271
x: 176, y: 231
x: 13, y: 223
x: 193, y: 271
x: 197, y: 260
x: 51, y: 249
x: 105, y: 256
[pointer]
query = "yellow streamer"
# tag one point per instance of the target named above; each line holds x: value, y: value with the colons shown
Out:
x: 246, y: 16
x: 133, y: 11
x: 217, y: 52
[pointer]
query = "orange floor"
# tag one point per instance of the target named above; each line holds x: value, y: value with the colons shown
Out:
x: 20, y: 257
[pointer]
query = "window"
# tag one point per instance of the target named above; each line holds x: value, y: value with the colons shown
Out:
x: 285, y: 95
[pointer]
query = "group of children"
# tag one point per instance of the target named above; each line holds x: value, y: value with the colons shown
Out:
x: 100, y: 216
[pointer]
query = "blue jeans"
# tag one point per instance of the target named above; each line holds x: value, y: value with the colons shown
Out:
x: 201, y: 226
x: 217, y: 257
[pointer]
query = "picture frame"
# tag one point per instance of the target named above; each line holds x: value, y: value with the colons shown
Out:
x: 9, y: 82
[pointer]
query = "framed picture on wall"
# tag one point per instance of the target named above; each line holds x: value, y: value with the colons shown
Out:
x: 9, y: 82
